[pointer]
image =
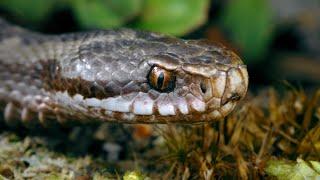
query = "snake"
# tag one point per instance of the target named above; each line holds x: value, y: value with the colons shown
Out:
x: 115, y: 75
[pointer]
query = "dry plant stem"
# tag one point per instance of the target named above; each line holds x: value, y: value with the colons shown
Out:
x: 283, y: 134
x: 265, y: 145
x: 221, y: 135
x: 311, y: 138
x: 170, y: 172
x: 242, y: 164
x: 309, y: 111
x: 238, y: 130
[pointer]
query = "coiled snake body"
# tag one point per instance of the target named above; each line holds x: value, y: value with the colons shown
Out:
x: 115, y: 75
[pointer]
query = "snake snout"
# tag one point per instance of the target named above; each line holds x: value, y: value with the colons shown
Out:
x: 236, y: 85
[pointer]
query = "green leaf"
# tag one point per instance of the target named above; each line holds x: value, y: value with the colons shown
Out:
x: 33, y: 11
x: 176, y: 17
x: 293, y: 171
x: 105, y: 13
x: 250, y: 25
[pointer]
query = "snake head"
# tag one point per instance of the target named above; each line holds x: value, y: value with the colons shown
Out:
x: 141, y: 77
x: 203, y: 86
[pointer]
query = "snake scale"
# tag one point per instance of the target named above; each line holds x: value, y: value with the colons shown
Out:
x: 121, y: 75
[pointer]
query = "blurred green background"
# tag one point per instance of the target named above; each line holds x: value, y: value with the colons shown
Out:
x: 278, y: 39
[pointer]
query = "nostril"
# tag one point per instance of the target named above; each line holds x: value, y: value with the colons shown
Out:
x: 232, y: 98
x: 235, y: 97
x: 203, y: 87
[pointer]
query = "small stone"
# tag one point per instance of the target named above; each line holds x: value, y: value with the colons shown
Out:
x: 113, y: 151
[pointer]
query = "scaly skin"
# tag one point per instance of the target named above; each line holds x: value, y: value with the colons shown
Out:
x: 103, y: 76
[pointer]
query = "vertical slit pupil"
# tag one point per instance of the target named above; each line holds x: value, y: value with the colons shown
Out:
x: 160, y: 80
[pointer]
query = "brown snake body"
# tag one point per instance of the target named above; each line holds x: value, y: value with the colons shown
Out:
x: 115, y: 75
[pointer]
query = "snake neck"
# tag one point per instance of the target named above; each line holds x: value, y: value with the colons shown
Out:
x: 21, y: 87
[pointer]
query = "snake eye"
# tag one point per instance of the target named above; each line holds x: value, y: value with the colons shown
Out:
x: 161, y: 79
